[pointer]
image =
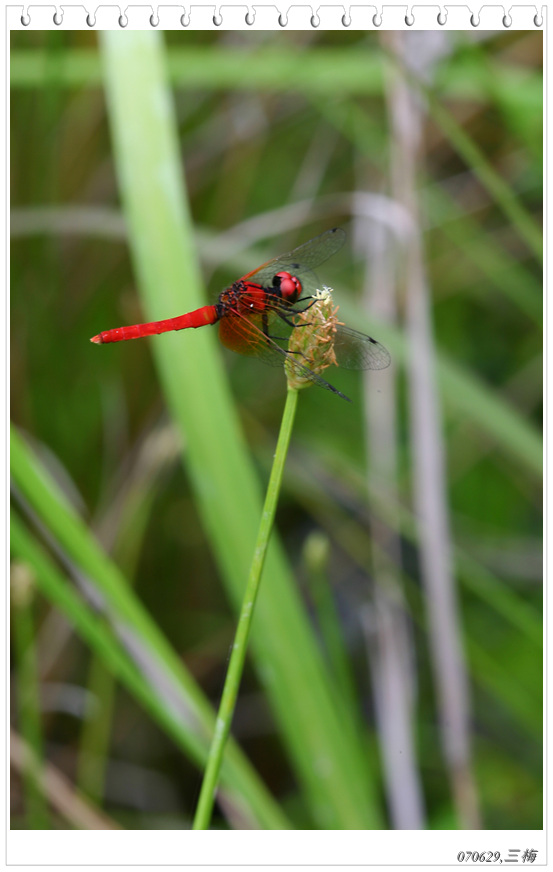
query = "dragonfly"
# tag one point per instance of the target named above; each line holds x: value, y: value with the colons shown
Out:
x: 257, y: 314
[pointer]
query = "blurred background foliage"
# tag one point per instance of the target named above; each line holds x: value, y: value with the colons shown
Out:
x: 280, y: 135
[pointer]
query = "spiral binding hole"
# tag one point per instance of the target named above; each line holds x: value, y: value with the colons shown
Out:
x: 507, y: 20
x: 538, y: 21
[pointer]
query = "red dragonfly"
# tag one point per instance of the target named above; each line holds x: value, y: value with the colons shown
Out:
x: 256, y: 309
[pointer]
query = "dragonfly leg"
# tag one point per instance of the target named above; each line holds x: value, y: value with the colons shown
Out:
x: 301, y: 354
x: 305, y: 308
x: 291, y: 323
x: 297, y: 311
x: 265, y: 326
x: 269, y: 337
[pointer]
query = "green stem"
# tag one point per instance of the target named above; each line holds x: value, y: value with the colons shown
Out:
x: 96, y: 731
x: 239, y: 649
x: 475, y: 158
x: 316, y: 556
x: 29, y: 693
x: 489, y: 177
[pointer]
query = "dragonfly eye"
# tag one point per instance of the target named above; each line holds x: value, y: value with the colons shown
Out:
x: 288, y: 285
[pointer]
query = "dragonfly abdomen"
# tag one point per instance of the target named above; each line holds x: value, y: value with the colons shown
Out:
x: 197, y: 318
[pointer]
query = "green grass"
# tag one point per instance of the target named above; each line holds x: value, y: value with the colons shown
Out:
x: 138, y: 470
x: 161, y: 684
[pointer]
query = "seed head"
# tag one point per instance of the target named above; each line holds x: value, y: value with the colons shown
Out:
x: 312, y: 340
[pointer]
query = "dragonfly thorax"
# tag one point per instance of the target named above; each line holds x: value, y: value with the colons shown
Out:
x: 249, y: 297
x: 244, y: 297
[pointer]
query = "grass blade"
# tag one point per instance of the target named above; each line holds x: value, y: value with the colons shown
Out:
x: 177, y: 702
x: 228, y: 494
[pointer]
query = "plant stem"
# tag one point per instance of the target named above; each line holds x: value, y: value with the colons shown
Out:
x: 238, y: 654
x: 473, y: 155
x: 22, y: 585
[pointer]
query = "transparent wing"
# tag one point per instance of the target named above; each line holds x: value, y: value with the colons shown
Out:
x: 301, y: 260
x: 245, y: 335
x: 355, y: 350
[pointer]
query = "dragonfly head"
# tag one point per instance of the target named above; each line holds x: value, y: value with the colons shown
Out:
x: 288, y: 285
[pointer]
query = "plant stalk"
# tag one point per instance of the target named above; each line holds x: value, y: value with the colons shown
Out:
x: 239, y: 648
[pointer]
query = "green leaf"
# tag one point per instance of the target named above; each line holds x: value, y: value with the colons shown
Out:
x: 170, y: 694
x: 328, y: 756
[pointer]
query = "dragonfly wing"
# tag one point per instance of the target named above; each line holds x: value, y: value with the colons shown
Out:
x: 302, y: 259
x: 355, y: 350
x: 245, y: 336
